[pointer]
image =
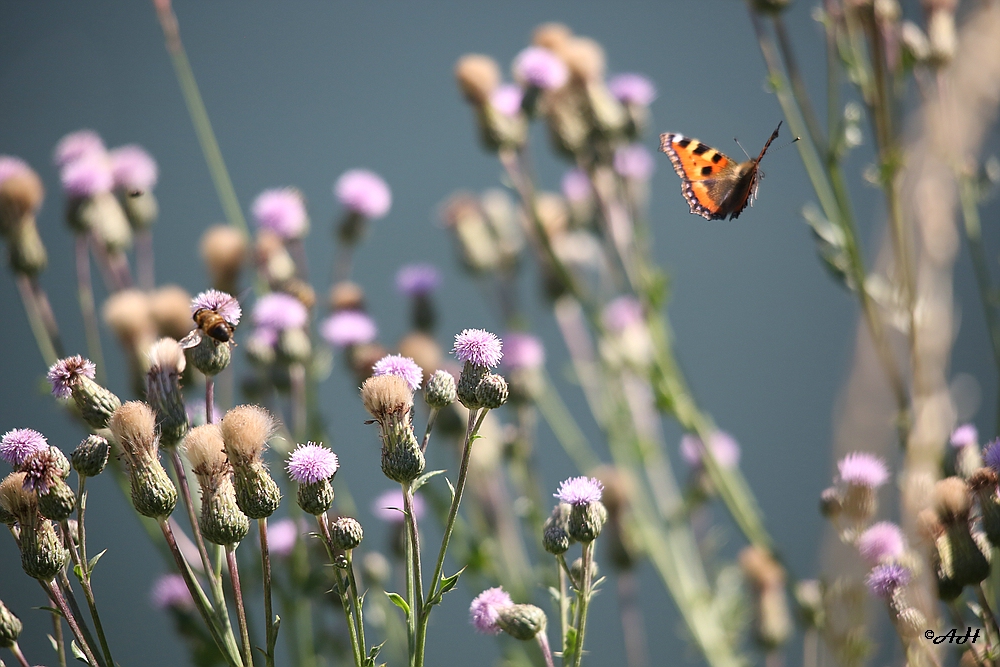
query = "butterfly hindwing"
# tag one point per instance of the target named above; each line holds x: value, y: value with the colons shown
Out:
x: 704, y: 172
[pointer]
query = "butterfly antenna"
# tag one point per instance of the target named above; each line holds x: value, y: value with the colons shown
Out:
x: 741, y: 147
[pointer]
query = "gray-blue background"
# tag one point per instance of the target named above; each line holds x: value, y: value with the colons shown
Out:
x: 299, y: 92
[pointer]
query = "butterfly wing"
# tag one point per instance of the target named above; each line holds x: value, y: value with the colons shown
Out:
x: 708, y: 176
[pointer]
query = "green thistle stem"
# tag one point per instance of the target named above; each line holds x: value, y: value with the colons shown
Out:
x: 270, y: 629
x: 342, y: 589
x: 56, y: 596
x: 88, y: 591
x: 16, y: 650
x: 241, y: 614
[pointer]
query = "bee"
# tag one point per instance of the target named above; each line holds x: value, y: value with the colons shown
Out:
x: 212, y: 324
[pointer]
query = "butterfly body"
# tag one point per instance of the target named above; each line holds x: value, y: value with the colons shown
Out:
x: 714, y: 185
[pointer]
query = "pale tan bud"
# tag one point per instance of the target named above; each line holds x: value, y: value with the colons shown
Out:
x: 206, y: 450
x: 478, y: 76
x: 952, y: 500
x: 20, y: 197
x: 585, y: 58
x: 170, y: 307
x: 552, y: 36
x: 134, y: 427
x: 128, y: 314
x: 423, y: 350
x: 346, y: 295
x: 224, y: 251
x: 386, y: 395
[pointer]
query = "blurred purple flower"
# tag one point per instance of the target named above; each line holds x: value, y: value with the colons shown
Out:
x: 76, y: 145
x: 634, y: 162
x: 863, y: 469
x: 388, y: 506
x: 484, y: 612
x: 966, y: 434
x: 279, y: 311
x: 348, y: 327
x: 576, y: 186
x: 282, y: 211
x: 631, y: 88
x: 622, y: 313
x: 884, y: 579
x: 363, y: 192
x: 883, y: 540
x: 88, y: 175
x: 507, y: 99
x: 417, y: 279
x: 170, y: 592
x: 725, y: 449
x: 12, y: 166
x: 522, y: 350
x: 133, y: 168
x: 281, y: 537
x: 539, y: 67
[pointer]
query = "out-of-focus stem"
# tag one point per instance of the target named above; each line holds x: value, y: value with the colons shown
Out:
x: 297, y: 379
x: 85, y: 294
x: 144, y: 260
x: 543, y: 644
x: 178, y: 465
x: 42, y: 338
x: 199, y: 116
x: 265, y: 562
x: 632, y: 626
x: 798, y: 84
x: 56, y: 596
x: 16, y: 650
x: 241, y: 614
x: 88, y: 592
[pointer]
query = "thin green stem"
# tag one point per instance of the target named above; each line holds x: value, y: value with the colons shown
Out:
x: 56, y: 596
x: 57, y: 633
x: 88, y: 592
x: 342, y: 589
x: 45, y: 343
x: 16, y: 650
x: 431, y: 418
x: 85, y: 295
x: 67, y: 590
x: 241, y: 614
x: 989, y: 617
x: 583, y: 602
x: 359, y: 617
x: 270, y: 628
x: 563, y: 600
x: 209, y: 399
x: 798, y: 83
x: 555, y: 413
x: 414, y: 579
x: 199, y: 117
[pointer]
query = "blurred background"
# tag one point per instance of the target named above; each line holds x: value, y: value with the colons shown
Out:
x: 300, y: 92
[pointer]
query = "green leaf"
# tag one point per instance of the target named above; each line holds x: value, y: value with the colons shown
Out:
x: 93, y: 561
x: 78, y: 572
x: 448, y: 583
x: 55, y: 644
x: 78, y: 653
x: 398, y: 600
x: 451, y: 489
x: 51, y: 610
x: 423, y: 479
x: 373, y: 653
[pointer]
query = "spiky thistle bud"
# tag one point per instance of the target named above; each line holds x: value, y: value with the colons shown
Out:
x: 245, y: 431
x: 313, y: 466
x: 163, y: 390
x: 555, y: 530
x: 389, y: 400
x: 587, y: 514
x: 221, y: 520
x: 440, y: 390
x: 480, y: 350
x: 134, y: 428
x: 492, y: 391
x: 346, y: 533
x: 90, y: 456
x: 74, y: 376
x: 953, y: 504
x: 10, y: 627
x: 521, y: 621
x: 576, y: 570
x: 45, y: 472
x: 42, y: 552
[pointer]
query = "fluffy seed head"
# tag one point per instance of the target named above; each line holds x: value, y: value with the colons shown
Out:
x: 134, y: 427
x: 170, y: 592
x: 553, y: 36
x: 283, y: 211
x: 400, y: 366
x: 630, y: 88
x: 417, y: 279
x: 21, y: 189
x: 16, y: 500
x: 388, y: 506
x: 952, y: 499
x: 77, y: 144
x: 170, y: 307
x: 127, y: 313
x: 224, y: 250
x: 133, y: 168
x: 167, y: 356
x: 882, y: 541
x: 479, y: 347
x: 537, y: 66
x: 634, y: 162
x: 222, y: 303
x: 311, y: 463
x: 884, y: 579
x: 348, y: 327
x: 585, y: 58
x: 245, y: 430
x: 863, y: 469
x: 485, y: 610
x: 279, y: 311
x: 478, y: 76
x: 20, y: 443
x: 206, y: 450
x: 579, y: 491
x: 760, y: 568
x: 64, y: 373
x: 363, y: 192
x: 384, y: 395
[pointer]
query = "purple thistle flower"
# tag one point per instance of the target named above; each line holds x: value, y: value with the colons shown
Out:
x: 64, y: 373
x: 622, y: 313
x: 540, y: 68
x: 883, y: 540
x: 479, y: 347
x: 279, y: 311
x: 634, y: 161
x: 507, y: 99
x: 263, y: 336
x: 12, y: 166
x: 400, y: 366
x: 363, y: 192
x: 311, y: 463
x: 76, y: 145
x: 884, y: 579
x: 88, y: 175
x: 631, y: 88
x: 484, y: 612
x: 863, y: 469
x: 42, y: 470
x: 417, y: 279
x: 170, y: 592
x: 222, y: 303
x: 522, y: 350
x: 389, y: 505
x: 133, y: 168
x: 579, y: 491
x: 283, y: 211
x: 576, y: 186
x: 348, y: 327
x: 20, y: 443
x: 724, y: 447
x: 966, y: 434
x: 281, y: 537
x: 991, y: 455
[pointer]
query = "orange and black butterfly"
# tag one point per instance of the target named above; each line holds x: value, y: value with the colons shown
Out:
x: 714, y: 184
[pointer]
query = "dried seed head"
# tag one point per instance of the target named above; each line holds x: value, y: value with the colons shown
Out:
x: 552, y: 36
x: 166, y: 356
x: 585, y: 58
x: 134, y: 427
x: 423, y: 350
x: 170, y: 307
x: 478, y: 76
x: 952, y: 500
x: 21, y: 192
x: 17, y: 501
x: 245, y: 430
x: 386, y: 395
x: 224, y: 251
x: 128, y: 314
x: 206, y: 450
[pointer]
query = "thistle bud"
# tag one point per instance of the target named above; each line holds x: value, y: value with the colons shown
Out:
x: 472, y: 375
x: 26, y: 250
x: 163, y: 390
x: 73, y: 376
x: 576, y: 570
x: 440, y: 390
x: 346, y: 533
x: 521, y: 621
x: 587, y: 514
x: 953, y: 502
x: 210, y: 356
x: 478, y: 76
x: 10, y: 627
x: 245, y: 431
x: 313, y: 466
x: 221, y: 520
x: 90, y: 456
x: 830, y: 503
x: 555, y: 536
x: 58, y: 502
x: 224, y: 251
x: 42, y: 552
x: 45, y: 470
x: 134, y: 427
x: 388, y: 399
x: 491, y: 393
x: 862, y: 474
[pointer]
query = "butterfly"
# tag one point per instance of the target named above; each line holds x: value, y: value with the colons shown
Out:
x: 714, y: 184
